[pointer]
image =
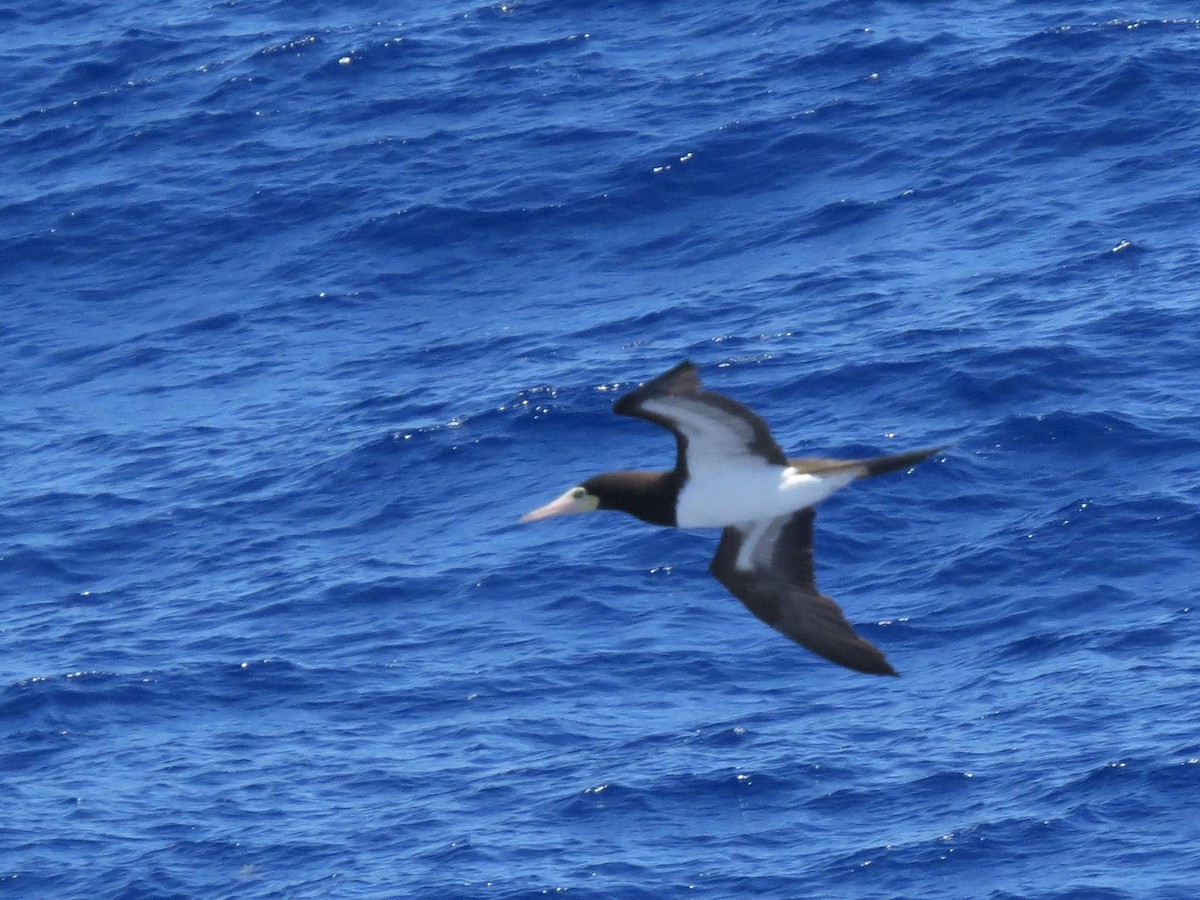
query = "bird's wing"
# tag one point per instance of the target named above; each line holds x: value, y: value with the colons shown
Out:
x: 712, y: 432
x: 768, y: 565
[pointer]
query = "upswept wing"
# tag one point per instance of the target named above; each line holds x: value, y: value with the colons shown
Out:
x: 712, y: 432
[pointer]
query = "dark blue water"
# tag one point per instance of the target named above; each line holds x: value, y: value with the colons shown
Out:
x: 304, y: 304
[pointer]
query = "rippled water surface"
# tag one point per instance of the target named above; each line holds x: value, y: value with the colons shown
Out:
x: 304, y: 304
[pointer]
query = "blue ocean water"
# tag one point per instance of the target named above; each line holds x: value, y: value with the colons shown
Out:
x: 304, y: 304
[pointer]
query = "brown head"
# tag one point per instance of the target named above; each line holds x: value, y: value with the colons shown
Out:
x: 650, y: 496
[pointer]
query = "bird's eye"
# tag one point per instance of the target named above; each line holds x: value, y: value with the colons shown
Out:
x: 578, y: 492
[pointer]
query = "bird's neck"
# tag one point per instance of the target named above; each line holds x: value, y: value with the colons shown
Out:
x: 650, y: 496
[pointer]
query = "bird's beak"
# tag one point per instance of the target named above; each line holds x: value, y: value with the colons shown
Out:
x: 568, y: 503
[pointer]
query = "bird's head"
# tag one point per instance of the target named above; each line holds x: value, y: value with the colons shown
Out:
x: 577, y: 500
x: 648, y: 495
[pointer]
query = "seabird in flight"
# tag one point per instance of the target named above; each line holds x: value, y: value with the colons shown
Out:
x: 730, y: 473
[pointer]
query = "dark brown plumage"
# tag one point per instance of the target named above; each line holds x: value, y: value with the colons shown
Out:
x: 766, y: 561
x: 784, y: 595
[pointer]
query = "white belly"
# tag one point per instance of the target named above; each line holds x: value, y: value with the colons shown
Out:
x: 717, y: 499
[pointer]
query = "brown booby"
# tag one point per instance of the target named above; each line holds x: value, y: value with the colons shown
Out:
x: 730, y: 473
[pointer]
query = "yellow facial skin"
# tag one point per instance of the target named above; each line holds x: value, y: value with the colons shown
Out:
x: 576, y: 500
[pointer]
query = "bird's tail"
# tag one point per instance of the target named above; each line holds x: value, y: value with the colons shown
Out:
x: 881, y: 465
x: 875, y: 465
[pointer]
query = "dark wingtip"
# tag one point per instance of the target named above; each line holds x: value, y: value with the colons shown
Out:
x: 879, y: 666
x: 687, y: 367
x: 867, y: 659
x: 627, y: 405
x: 860, y: 656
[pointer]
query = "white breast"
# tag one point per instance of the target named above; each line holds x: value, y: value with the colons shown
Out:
x: 715, y: 499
